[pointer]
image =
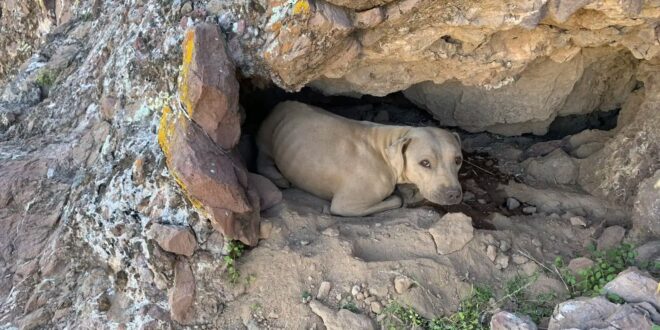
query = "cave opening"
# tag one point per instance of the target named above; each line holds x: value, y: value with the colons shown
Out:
x: 481, y: 170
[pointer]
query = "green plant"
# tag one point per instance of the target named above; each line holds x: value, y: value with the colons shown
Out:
x: 351, y: 306
x: 536, y: 307
x: 234, y: 251
x: 607, y: 265
x: 46, y: 78
x: 470, y: 314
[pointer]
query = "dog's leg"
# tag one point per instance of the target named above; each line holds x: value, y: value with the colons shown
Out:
x: 266, y: 166
x: 348, y: 207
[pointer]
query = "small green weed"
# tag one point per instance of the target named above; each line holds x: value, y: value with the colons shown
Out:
x: 536, y: 307
x: 305, y: 296
x: 607, y: 265
x: 234, y: 251
x: 351, y: 306
x: 46, y: 78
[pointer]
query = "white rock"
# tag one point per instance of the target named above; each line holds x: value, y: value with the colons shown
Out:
x: 324, y: 290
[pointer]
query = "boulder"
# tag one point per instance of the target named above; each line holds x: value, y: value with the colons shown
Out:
x: 598, y: 313
x: 340, y: 320
x: 209, y: 89
x: 508, y: 321
x: 174, y: 239
x: 452, y: 232
x: 554, y: 168
x: 635, y: 287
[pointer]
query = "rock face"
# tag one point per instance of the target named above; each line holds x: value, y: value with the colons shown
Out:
x: 197, y: 144
x: 646, y: 208
x: 634, y: 287
x: 452, y: 232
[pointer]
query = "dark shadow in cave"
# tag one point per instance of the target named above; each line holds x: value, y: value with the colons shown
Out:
x: 394, y: 109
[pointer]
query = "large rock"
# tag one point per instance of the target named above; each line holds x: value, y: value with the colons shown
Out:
x: 340, y: 320
x: 554, y: 168
x: 215, y: 181
x: 209, y: 89
x: 618, y: 169
x: 452, y: 232
x: 635, y: 287
x: 599, y: 313
x: 646, y: 209
x: 508, y: 321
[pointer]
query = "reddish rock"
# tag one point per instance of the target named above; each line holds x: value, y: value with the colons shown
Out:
x: 173, y: 239
x: 269, y: 194
x: 369, y: 18
x: 209, y: 89
x: 182, y: 295
x: 578, y: 264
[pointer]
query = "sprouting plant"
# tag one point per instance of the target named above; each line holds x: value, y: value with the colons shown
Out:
x: 234, y: 251
x: 351, y: 306
x: 46, y: 78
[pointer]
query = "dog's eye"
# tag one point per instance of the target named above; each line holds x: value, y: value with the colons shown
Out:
x: 458, y: 160
x: 425, y: 163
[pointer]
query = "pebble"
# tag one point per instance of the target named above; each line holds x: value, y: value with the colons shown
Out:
x: 481, y: 201
x: 338, y: 296
x: 519, y: 259
x: 332, y: 232
x: 369, y: 300
x: 402, y: 284
x: 324, y: 290
x: 529, y: 209
x: 536, y: 242
x: 355, y: 290
x: 491, y: 252
x: 303, y: 243
x: 512, y: 203
x: 578, y: 221
x: 376, y: 307
x: 504, y: 245
x: 468, y: 196
x: 502, y: 261
x: 359, y: 296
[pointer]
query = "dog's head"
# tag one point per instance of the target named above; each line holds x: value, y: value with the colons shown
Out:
x: 429, y: 158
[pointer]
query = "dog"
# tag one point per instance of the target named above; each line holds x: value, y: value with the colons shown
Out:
x: 357, y: 164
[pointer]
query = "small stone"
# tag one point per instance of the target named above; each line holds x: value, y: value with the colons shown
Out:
x: 332, y: 232
x: 552, y: 237
x: 355, y: 290
x: 359, y: 296
x: 369, y: 300
x: 578, y: 221
x: 186, y: 8
x: 265, y: 229
x: 504, y: 245
x: 324, y: 290
x: 519, y: 259
x: 452, y: 232
x: 502, y: 261
x: 537, y: 242
x: 368, y: 19
x: 338, y: 296
x: 376, y: 307
x: 529, y: 209
x: 530, y: 268
x: 512, y: 203
x: 611, y: 237
x: 491, y: 252
x: 182, y: 294
x: 481, y: 201
x: 178, y: 240
x: 304, y: 242
x: 468, y: 196
x: 402, y: 284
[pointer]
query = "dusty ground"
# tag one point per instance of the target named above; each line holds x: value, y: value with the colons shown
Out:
x: 306, y: 247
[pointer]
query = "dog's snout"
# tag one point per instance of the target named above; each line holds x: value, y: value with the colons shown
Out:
x: 454, y: 195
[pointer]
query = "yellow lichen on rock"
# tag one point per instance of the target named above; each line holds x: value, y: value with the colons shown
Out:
x: 188, y: 52
x: 301, y: 7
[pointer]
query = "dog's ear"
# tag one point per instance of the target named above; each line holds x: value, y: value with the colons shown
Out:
x: 396, y: 154
x: 458, y: 138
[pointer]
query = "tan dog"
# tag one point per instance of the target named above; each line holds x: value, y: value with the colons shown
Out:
x: 356, y: 164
